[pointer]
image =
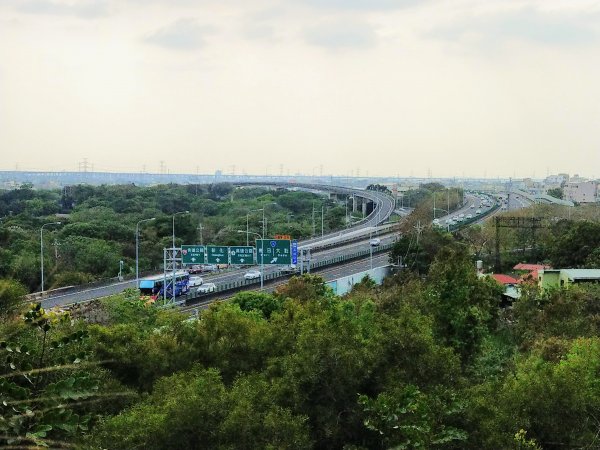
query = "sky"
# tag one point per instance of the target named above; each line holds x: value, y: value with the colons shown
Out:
x: 441, y: 88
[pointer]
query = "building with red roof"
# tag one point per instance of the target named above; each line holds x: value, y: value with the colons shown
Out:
x: 504, y: 279
x: 531, y: 267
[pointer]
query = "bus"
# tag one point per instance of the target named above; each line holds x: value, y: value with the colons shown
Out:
x: 153, y: 286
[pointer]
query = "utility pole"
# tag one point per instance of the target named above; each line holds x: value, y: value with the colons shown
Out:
x: 322, y: 220
x: 313, y: 219
x: 200, y: 228
x: 55, y: 245
x: 419, y: 229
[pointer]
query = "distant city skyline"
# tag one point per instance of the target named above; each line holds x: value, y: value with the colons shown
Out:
x: 440, y: 88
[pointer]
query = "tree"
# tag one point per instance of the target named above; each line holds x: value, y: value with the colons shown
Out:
x: 553, y: 396
x: 418, y: 257
x: 258, y: 301
x: 406, y: 418
x: 572, y: 243
x: 195, y: 410
x: 12, y: 294
x: 556, y: 192
x: 44, y: 391
x: 378, y: 188
x: 304, y: 288
x: 462, y: 305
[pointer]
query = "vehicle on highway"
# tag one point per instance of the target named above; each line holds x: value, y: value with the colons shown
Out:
x: 478, y: 212
x: 195, y: 281
x: 289, y: 269
x: 201, y: 268
x: 252, y: 275
x: 469, y: 216
x: 153, y: 286
x: 473, y: 205
x: 375, y: 242
x: 206, y: 288
x: 195, y: 269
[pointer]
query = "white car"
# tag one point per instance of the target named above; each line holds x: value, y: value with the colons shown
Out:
x: 375, y: 242
x: 252, y: 275
x: 195, y: 281
x: 206, y: 288
x: 469, y: 216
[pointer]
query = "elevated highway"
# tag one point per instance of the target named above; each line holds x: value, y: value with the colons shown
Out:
x: 382, y: 206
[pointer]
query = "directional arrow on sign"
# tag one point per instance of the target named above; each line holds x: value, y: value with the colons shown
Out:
x: 218, y: 259
x: 274, y: 260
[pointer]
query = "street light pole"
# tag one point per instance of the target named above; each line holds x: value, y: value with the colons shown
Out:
x: 247, y: 224
x: 262, y: 257
x: 371, y: 249
x: 322, y: 220
x: 137, y: 252
x: 313, y: 219
x: 173, y: 252
x: 42, y: 249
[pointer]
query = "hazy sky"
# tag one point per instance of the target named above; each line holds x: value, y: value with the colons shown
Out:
x: 409, y: 87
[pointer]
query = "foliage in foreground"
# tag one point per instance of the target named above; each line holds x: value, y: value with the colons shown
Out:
x: 423, y: 362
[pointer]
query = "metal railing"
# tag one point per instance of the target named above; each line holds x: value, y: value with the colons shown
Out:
x: 234, y: 286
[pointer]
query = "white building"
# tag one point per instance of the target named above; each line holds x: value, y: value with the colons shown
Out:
x: 581, y: 191
x: 556, y: 181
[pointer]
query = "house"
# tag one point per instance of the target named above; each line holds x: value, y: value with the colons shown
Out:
x: 581, y: 191
x: 531, y: 270
x: 548, y: 278
x: 511, y: 287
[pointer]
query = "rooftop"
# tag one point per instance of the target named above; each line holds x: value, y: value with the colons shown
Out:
x: 504, y: 279
x: 531, y: 267
x: 582, y: 274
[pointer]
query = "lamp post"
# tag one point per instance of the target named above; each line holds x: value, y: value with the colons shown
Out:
x: 137, y: 251
x: 264, y: 230
x: 262, y: 257
x: 42, y: 249
x: 447, y: 212
x: 173, y: 253
x: 248, y: 225
x: 371, y: 249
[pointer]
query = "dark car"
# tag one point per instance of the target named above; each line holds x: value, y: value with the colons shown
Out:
x: 196, y: 269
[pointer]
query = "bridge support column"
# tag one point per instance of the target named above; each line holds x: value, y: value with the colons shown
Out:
x: 354, y: 203
x: 364, y: 207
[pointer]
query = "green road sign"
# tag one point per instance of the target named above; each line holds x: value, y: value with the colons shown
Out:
x: 217, y: 254
x: 240, y: 256
x: 193, y: 254
x: 273, y: 251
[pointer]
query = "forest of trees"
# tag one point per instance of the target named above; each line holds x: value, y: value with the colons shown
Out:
x: 432, y: 359
x: 98, y: 225
x: 429, y: 360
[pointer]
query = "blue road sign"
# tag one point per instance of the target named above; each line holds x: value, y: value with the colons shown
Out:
x: 294, y: 251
